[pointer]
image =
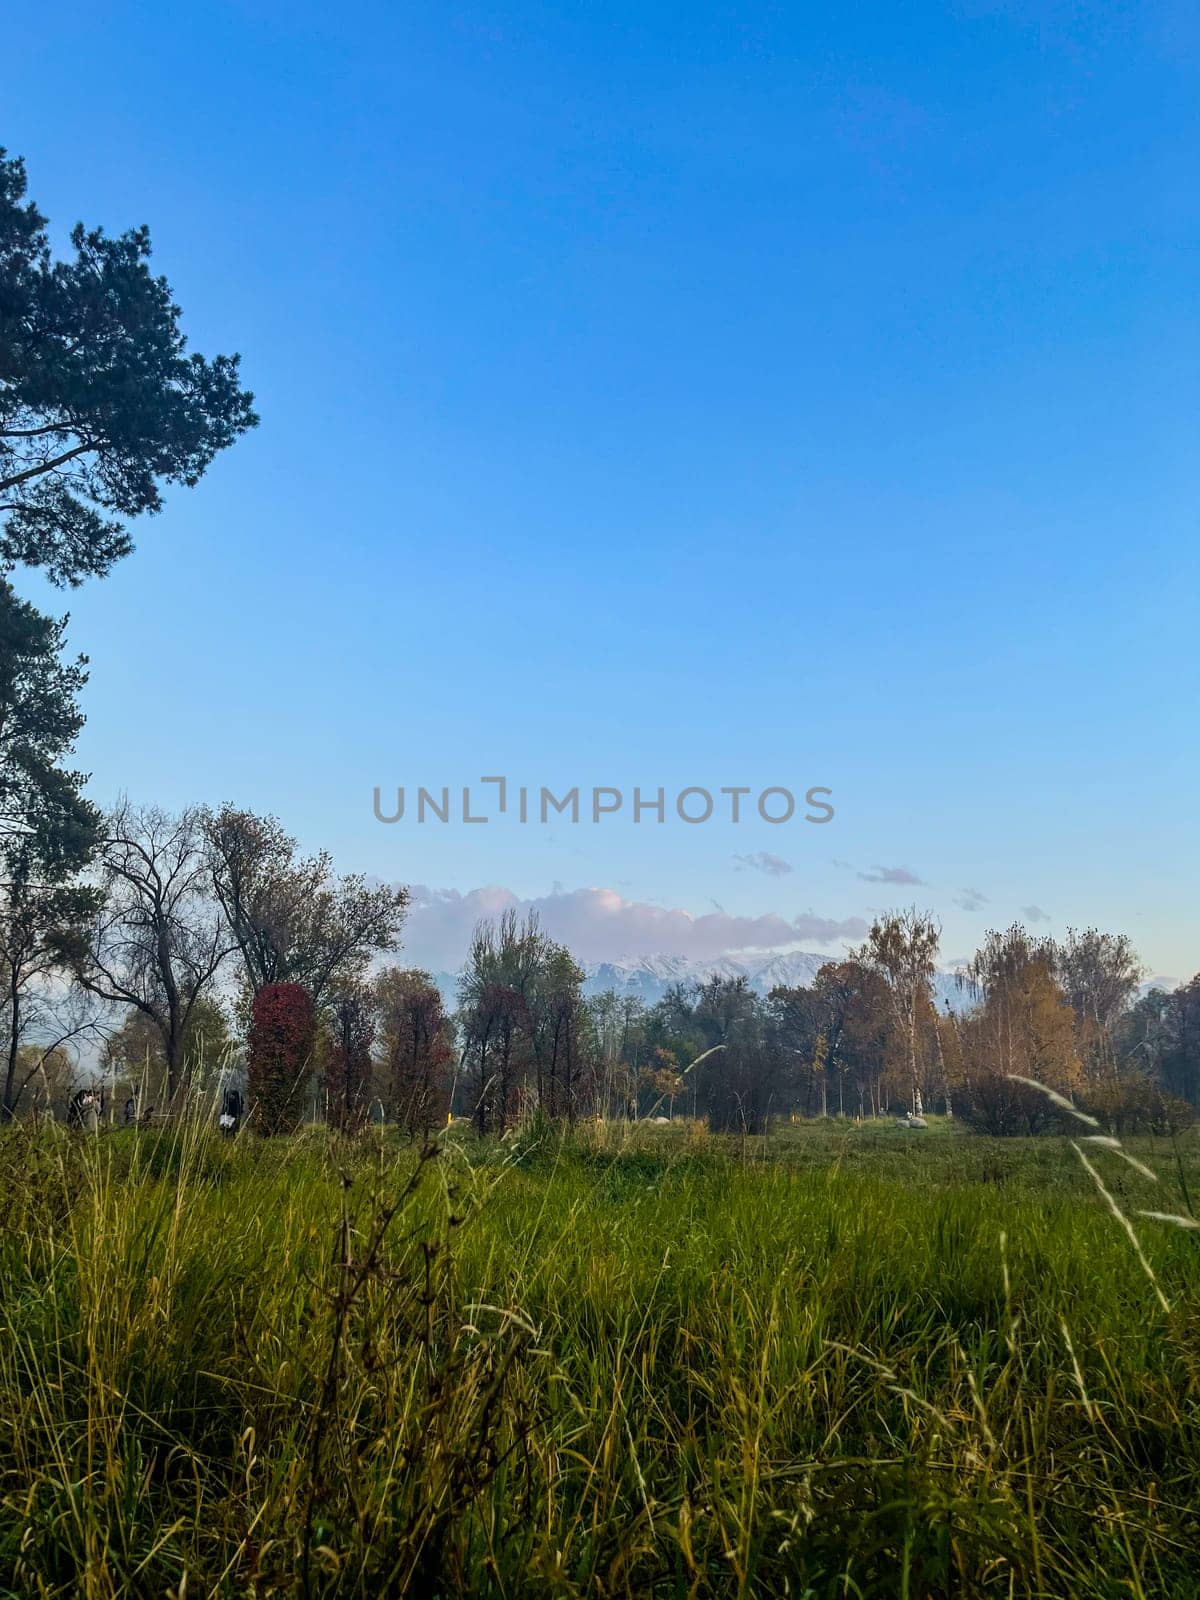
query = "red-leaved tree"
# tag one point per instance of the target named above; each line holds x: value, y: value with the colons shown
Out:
x: 279, y: 1054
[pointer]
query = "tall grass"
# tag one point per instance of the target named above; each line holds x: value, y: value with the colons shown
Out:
x: 827, y: 1364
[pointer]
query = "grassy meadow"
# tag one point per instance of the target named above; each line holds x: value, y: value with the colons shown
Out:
x: 838, y: 1361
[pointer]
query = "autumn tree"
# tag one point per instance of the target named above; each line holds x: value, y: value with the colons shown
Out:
x: 350, y: 1013
x: 416, y: 1048
x: 293, y: 920
x: 51, y: 1074
x: 1099, y: 974
x: 951, y: 1053
x: 662, y: 1077
x: 527, y: 1030
x: 494, y: 1007
x: 134, y: 1057
x: 1002, y: 1107
x: 618, y: 1025
x: 1024, y: 1026
x: 159, y: 939
x: 902, y: 948
x: 559, y: 1018
x: 841, y: 1034
x: 854, y: 1002
x: 279, y: 1055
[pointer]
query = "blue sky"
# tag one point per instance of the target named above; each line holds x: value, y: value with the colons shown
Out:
x: 668, y: 395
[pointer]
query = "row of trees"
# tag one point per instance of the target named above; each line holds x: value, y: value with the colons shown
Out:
x: 868, y: 1035
x: 183, y: 925
x: 206, y: 941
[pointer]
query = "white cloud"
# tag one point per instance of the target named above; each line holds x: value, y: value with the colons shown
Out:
x: 598, y: 924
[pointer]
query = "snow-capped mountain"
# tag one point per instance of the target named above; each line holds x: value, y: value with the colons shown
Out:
x: 647, y: 978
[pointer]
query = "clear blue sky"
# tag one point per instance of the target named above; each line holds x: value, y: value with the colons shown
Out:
x: 668, y: 394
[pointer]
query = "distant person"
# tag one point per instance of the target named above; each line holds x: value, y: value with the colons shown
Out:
x: 230, y: 1119
x: 84, y: 1110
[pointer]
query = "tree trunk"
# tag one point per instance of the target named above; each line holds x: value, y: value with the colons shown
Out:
x: 8, y: 1108
x: 912, y: 1067
x: 174, y: 1067
x: 937, y: 1034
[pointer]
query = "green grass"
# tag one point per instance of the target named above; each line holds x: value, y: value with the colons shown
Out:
x: 837, y: 1362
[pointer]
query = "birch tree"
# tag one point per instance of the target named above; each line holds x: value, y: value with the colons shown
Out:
x: 902, y: 947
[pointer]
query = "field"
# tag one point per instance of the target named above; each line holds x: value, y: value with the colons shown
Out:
x: 836, y: 1362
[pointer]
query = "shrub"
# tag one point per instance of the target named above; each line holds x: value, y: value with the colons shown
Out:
x: 1138, y: 1105
x: 995, y: 1104
x: 279, y: 1055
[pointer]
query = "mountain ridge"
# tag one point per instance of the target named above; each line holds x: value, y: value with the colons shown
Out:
x: 647, y: 978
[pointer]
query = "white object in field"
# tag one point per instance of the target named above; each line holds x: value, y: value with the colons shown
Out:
x: 662, y: 1119
x: 909, y: 1121
x: 226, y: 1121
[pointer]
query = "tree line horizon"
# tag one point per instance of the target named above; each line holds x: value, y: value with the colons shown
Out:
x: 207, y: 943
